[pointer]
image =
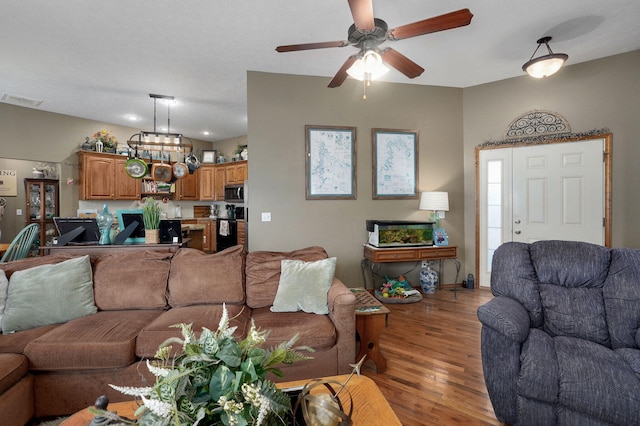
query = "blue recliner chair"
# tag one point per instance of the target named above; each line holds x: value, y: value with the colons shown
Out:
x: 561, y: 338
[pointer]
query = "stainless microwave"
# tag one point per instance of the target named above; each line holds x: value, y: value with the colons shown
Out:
x: 234, y: 193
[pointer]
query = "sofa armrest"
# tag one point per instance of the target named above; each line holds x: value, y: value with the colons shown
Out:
x: 507, y: 317
x: 342, y: 312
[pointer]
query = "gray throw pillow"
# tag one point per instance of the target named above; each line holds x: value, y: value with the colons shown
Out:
x: 49, y: 294
x: 304, y: 286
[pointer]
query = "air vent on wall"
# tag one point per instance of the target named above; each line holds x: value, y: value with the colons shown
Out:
x: 20, y: 100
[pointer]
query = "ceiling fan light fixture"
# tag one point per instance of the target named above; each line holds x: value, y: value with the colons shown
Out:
x: 369, y: 67
x: 545, y: 65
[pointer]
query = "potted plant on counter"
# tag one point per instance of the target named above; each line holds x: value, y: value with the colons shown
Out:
x: 151, y: 216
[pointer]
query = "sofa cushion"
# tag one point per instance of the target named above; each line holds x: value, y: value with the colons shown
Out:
x: 16, y: 342
x: 303, y: 286
x: 263, y: 272
x: 197, y: 278
x: 104, y: 340
x: 30, y: 262
x: 121, y: 283
x: 49, y: 294
x: 315, y: 331
x: 155, y: 333
x: 13, y: 367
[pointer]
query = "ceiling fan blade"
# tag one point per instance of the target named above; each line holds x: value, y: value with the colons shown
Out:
x: 310, y: 46
x: 362, y: 11
x: 447, y: 21
x: 341, y: 75
x: 400, y: 62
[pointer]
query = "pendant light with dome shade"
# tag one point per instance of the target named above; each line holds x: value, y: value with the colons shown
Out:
x: 545, y: 65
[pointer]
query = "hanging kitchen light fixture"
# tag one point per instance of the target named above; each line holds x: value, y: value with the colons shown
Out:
x: 545, y: 65
x: 154, y: 141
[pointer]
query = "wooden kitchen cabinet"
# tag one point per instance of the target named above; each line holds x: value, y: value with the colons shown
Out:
x: 103, y: 177
x: 187, y: 187
x: 237, y: 172
x: 219, y: 181
x: 206, y: 184
x: 242, y: 236
x: 208, y: 235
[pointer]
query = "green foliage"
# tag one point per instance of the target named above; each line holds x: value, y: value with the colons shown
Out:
x: 216, y: 380
x: 151, y: 213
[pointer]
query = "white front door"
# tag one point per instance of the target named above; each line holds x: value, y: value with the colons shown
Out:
x: 558, y: 192
x: 540, y: 192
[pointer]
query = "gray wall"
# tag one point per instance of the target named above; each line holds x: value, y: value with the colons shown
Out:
x: 591, y: 95
x: 279, y: 107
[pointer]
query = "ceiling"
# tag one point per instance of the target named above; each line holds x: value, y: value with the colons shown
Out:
x: 100, y: 59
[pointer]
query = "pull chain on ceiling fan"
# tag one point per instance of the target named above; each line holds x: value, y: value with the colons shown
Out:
x: 367, y: 33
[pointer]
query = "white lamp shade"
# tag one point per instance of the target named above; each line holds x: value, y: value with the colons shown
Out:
x: 434, y: 201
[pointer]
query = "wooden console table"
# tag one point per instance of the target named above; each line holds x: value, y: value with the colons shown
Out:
x: 374, y: 257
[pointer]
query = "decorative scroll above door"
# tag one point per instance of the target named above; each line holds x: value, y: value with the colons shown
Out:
x: 540, y: 126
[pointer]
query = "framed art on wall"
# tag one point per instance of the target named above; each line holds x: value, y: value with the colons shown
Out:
x: 395, y: 164
x: 330, y: 171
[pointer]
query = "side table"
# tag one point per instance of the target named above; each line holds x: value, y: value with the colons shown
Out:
x: 371, y: 319
x: 374, y: 257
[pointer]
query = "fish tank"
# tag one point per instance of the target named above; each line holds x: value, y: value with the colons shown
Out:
x: 400, y: 233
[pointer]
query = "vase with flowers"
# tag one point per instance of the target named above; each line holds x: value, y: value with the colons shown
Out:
x: 215, y: 380
x: 105, y: 141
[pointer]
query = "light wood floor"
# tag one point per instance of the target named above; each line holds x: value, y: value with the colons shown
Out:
x: 434, y: 374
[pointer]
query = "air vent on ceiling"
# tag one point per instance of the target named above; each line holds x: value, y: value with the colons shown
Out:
x: 20, y: 100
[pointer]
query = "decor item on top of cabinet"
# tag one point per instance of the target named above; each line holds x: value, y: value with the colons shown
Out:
x: 395, y: 164
x: 238, y: 153
x: 192, y: 163
x: 209, y: 156
x: 330, y: 163
x: 151, y: 216
x: 107, y: 139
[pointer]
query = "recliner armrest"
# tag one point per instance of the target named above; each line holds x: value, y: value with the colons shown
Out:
x: 507, y: 317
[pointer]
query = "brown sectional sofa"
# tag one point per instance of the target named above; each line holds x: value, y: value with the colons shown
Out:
x: 55, y: 370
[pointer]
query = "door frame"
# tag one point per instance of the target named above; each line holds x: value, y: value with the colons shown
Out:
x: 608, y: 180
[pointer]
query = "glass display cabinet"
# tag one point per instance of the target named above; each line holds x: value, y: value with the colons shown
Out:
x: 43, y: 201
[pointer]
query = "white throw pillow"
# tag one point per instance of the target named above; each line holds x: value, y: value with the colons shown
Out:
x: 4, y: 287
x: 304, y: 286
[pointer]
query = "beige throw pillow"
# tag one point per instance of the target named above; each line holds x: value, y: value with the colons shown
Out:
x: 304, y: 286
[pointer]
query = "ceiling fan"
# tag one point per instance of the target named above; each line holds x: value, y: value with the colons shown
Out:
x: 367, y: 33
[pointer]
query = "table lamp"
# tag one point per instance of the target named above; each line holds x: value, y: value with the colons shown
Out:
x: 437, y: 202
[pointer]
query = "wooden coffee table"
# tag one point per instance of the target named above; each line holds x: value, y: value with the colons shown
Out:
x: 370, y: 406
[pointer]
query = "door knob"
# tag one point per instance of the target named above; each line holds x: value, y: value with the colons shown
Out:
x: 518, y: 221
x: 518, y: 232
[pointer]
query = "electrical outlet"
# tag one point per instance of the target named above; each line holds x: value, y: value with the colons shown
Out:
x: 18, y: 212
x: 266, y: 216
x: 424, y: 263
